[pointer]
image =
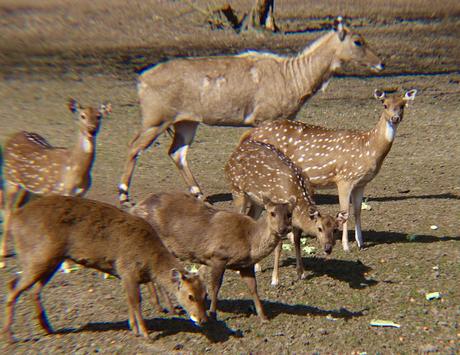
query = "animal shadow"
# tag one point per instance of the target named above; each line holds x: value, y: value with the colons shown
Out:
x: 215, y: 331
x: 373, y: 238
x: 273, y: 309
x: 352, y: 272
x: 325, y: 199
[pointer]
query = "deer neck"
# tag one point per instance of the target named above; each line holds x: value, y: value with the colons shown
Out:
x: 82, y: 156
x: 301, y: 219
x: 382, y: 136
x: 313, y: 67
x: 263, y: 239
x: 163, y: 262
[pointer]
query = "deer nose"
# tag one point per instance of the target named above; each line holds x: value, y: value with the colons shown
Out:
x: 328, y: 249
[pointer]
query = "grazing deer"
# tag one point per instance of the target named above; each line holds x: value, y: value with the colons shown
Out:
x: 200, y: 233
x: 32, y: 165
x: 256, y: 169
x: 345, y: 158
x: 241, y: 90
x: 51, y: 229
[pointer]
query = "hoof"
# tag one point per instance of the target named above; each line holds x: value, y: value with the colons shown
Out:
x: 275, y: 283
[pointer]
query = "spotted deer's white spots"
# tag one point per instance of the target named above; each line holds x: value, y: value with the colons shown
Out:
x: 34, y: 165
x: 333, y: 157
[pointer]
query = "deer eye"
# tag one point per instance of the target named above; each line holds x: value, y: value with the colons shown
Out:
x: 385, y: 106
x: 273, y: 214
x: 191, y: 298
x: 320, y: 229
x: 358, y: 43
x: 83, y: 116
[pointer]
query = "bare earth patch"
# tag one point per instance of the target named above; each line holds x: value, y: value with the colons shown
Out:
x: 418, y: 186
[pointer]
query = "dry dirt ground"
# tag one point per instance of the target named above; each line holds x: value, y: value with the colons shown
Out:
x: 54, y: 50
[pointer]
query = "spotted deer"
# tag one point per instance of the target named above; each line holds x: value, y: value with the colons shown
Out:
x: 33, y: 165
x: 97, y: 235
x: 200, y: 233
x: 344, y: 158
x: 239, y: 90
x: 256, y: 169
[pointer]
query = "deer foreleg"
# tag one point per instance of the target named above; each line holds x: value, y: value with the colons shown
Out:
x: 357, y: 199
x: 344, y: 200
x: 141, y: 142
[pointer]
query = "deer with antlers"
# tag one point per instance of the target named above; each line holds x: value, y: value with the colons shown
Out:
x: 33, y: 165
x: 241, y: 90
x: 344, y: 158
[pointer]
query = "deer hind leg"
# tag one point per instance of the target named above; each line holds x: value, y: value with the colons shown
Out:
x: 32, y: 273
x: 184, y: 133
x: 249, y: 277
x: 357, y: 199
x: 141, y: 142
x: 344, y: 200
x: 136, y: 322
x: 39, y: 309
x: 14, y: 196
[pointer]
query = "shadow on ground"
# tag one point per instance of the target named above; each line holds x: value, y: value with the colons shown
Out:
x: 323, y: 199
x: 273, y: 309
x: 215, y: 331
x: 352, y: 272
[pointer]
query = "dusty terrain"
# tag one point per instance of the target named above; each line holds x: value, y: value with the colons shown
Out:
x: 55, y: 50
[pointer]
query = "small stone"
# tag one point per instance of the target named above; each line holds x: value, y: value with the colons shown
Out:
x: 178, y: 346
x: 425, y: 349
x: 322, y: 331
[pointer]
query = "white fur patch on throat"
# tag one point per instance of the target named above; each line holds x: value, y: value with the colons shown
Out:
x: 87, y: 145
x: 390, y: 132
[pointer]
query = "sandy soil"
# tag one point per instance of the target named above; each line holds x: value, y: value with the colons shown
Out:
x: 45, y: 61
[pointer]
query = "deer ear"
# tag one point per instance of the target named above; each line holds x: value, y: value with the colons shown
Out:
x: 176, y: 277
x: 105, y: 109
x: 265, y: 199
x: 379, y: 94
x: 341, y: 218
x: 313, y: 213
x: 292, y: 201
x: 73, y: 105
x: 410, y: 95
x: 338, y: 27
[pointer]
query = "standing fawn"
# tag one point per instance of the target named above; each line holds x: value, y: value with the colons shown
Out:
x: 32, y: 165
x: 257, y: 169
x: 51, y: 229
x: 345, y: 158
x: 200, y: 233
x: 237, y: 90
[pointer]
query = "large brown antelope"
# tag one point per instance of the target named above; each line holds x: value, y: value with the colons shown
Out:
x: 51, y: 229
x: 200, y: 233
x: 345, y: 158
x: 32, y: 165
x: 256, y: 169
x: 241, y: 90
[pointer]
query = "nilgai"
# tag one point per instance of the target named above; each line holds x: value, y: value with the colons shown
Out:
x: 54, y: 228
x: 241, y: 90
x: 32, y: 165
x: 200, y: 233
x: 345, y: 158
x: 256, y: 169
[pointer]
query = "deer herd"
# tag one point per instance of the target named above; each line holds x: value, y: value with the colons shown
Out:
x: 276, y: 167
